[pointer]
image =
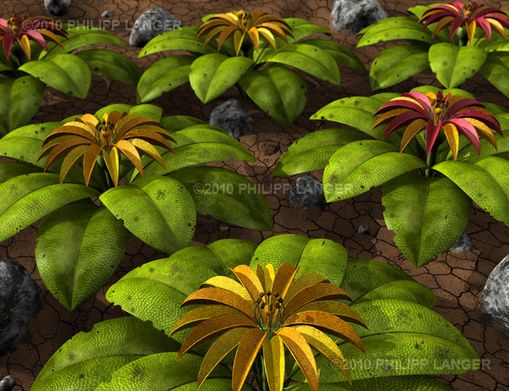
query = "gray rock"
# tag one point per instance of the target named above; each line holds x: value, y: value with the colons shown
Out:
x: 462, y: 245
x: 307, y: 191
x: 151, y: 23
x: 58, y: 7
x: 495, y: 295
x: 7, y: 383
x: 232, y: 117
x: 363, y: 229
x: 20, y: 300
x: 106, y: 14
x: 354, y: 15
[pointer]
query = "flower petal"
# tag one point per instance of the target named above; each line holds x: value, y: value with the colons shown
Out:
x: 248, y: 349
x: 341, y: 310
x: 322, y: 291
x: 453, y: 139
x: 249, y: 280
x: 283, y: 280
x: 228, y: 284
x: 220, y: 296
x: 274, y: 362
x: 199, y: 314
x: 410, y: 132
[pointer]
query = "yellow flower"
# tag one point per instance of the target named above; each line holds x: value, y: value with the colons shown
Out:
x: 264, y: 313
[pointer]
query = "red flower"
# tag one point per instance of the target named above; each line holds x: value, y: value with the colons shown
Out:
x: 453, y: 115
x: 22, y: 30
x: 468, y: 15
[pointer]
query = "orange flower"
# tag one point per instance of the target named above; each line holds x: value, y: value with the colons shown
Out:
x: 264, y: 313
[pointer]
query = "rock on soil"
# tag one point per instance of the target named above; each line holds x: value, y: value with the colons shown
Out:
x: 151, y: 23
x: 495, y: 295
x: 462, y: 245
x: 232, y: 117
x: 58, y: 7
x: 354, y: 15
x: 7, y: 383
x: 20, y: 300
x: 307, y: 191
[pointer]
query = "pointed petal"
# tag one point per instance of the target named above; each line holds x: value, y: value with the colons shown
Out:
x: 468, y: 131
x: 453, y: 139
x: 307, y: 280
x: 388, y: 115
x: 112, y: 162
x: 283, y: 280
x: 220, y: 296
x: 432, y: 132
x: 484, y: 129
x: 248, y: 350
x: 400, y: 121
x: 324, y: 291
x: 199, y: 314
x: 341, y: 310
x: 148, y: 149
x: 410, y: 132
x: 274, y: 362
x: 131, y: 153
x: 228, y: 284
x: 249, y: 279
x: 70, y: 159
x: 89, y: 160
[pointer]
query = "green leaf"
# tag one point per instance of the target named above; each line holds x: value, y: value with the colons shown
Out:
x: 147, y: 110
x: 182, y: 39
x: 158, y: 210
x: 454, y: 65
x: 27, y: 198
x: 356, y: 111
x: 485, y: 183
x: 227, y: 196
x: 120, y: 107
x: 111, y: 65
x: 313, y: 151
x: 414, y: 383
x: 321, y: 256
x: 172, y: 123
x: 395, y: 28
x: 212, y: 74
x: 496, y: 71
x: 163, y: 76
x: 364, y: 276
x: 427, y: 215
x: 308, y: 58
x: 199, y: 144
x: 401, y: 290
x: 20, y: 99
x: 83, y: 38
x: 154, y: 291
x: 278, y: 91
x: 342, y: 55
x: 361, y: 165
x: 78, y: 249
x: 10, y: 170
x: 90, y: 358
x: 302, y: 28
x: 163, y: 372
x: 233, y: 252
x: 396, y: 64
x: 66, y: 73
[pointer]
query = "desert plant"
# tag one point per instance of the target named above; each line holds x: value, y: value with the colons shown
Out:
x: 400, y: 327
x: 454, y: 40
x: 88, y: 217
x: 257, y: 52
x: 428, y: 189
x: 39, y: 52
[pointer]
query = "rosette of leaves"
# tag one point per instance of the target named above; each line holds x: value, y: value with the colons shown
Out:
x: 401, y: 326
x: 434, y: 154
x: 455, y: 40
x: 38, y: 52
x: 259, y: 53
x: 92, y: 197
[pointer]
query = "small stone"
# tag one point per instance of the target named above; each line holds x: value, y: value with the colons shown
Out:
x: 232, y: 117
x: 271, y: 149
x: 462, y: 245
x: 58, y: 7
x: 106, y: 14
x: 495, y: 295
x: 363, y: 229
x: 7, y: 383
x: 354, y: 15
x: 151, y: 23
x: 20, y: 301
x: 307, y: 191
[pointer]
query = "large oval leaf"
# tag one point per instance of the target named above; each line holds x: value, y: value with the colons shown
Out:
x: 212, y: 74
x: 84, y: 37
x: 227, y: 196
x: 163, y: 372
x: 394, y: 28
x: 302, y: 28
x: 321, y: 256
x: 278, y: 91
x: 90, y: 358
x: 396, y: 64
x: 182, y: 39
x: 406, y: 290
x: 112, y: 65
x: 427, y: 215
x: 78, y: 249
x: 313, y: 151
x: 453, y: 65
x: 27, y: 198
x: 20, y: 99
x: 233, y: 252
x: 163, y: 76
x: 485, y: 183
x: 308, y: 58
x: 496, y: 71
x: 10, y: 170
x: 172, y: 123
x: 155, y: 290
x: 158, y: 210
x: 341, y: 54
x: 66, y: 73
x: 359, y: 166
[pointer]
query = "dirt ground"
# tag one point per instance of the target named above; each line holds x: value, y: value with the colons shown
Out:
x: 456, y: 279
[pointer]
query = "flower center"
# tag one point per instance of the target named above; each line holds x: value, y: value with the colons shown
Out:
x: 106, y: 130
x: 441, y: 108
x: 268, y: 312
x: 13, y: 23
